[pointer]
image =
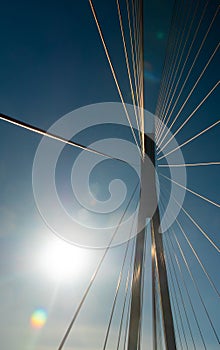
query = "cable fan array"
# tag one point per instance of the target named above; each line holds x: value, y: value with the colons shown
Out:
x: 191, y: 56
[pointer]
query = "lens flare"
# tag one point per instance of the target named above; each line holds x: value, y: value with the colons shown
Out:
x: 38, y: 318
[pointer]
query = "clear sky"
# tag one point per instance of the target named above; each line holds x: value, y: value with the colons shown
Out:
x: 52, y: 62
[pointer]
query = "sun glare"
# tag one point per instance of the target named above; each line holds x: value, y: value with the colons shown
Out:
x: 62, y: 261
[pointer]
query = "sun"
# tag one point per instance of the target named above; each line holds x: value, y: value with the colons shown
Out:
x: 62, y: 261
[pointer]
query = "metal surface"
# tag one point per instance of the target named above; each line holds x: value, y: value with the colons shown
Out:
x: 166, y: 311
x: 158, y: 266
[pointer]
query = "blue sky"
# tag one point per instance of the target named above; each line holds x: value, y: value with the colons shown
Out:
x: 52, y: 62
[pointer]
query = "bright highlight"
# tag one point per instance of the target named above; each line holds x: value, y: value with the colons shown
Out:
x: 38, y: 318
x: 61, y: 261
